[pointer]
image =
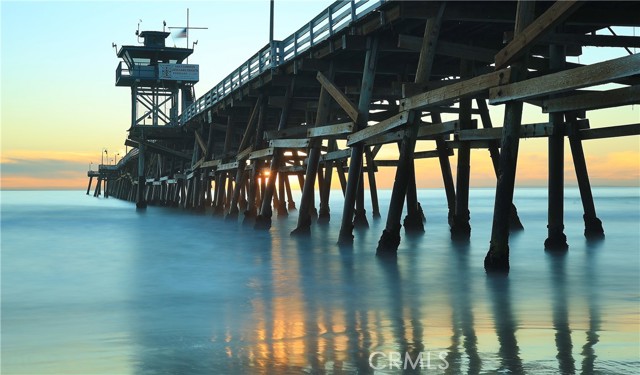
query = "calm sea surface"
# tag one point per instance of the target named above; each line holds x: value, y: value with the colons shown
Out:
x: 92, y: 286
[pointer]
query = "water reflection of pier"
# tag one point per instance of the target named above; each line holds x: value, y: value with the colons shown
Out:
x: 304, y: 321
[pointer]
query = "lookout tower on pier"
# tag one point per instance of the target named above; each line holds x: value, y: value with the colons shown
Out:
x: 160, y: 85
x: 156, y: 76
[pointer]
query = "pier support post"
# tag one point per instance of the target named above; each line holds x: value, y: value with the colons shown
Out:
x: 221, y: 180
x: 282, y: 194
x: 263, y: 220
x: 390, y: 239
x: 324, y: 214
x: 355, y: 164
x: 592, y: 225
x: 253, y: 120
x: 360, y: 214
x: 445, y: 167
x: 556, y: 239
x: 494, y: 153
x: 253, y: 193
x: 461, y: 230
x: 89, y: 186
x: 497, y: 258
x: 373, y: 189
x: 142, y: 179
x: 313, y: 161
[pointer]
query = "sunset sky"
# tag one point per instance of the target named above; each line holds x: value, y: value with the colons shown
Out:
x: 60, y: 106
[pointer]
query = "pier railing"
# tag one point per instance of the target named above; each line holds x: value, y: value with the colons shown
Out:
x: 323, y: 26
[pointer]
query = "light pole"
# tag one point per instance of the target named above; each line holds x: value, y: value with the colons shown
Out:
x: 90, y: 166
x: 105, y: 152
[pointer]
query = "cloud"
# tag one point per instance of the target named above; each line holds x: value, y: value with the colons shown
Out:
x: 25, y: 170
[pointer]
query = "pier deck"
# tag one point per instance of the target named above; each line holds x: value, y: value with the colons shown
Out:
x: 320, y: 104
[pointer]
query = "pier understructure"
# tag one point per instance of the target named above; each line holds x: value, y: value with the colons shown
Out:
x: 322, y: 103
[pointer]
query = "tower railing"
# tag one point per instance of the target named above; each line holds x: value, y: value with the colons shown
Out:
x: 323, y: 26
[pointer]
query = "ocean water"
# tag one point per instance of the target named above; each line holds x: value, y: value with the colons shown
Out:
x: 92, y: 286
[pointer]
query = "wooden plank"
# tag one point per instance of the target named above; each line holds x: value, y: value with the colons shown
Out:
x: 228, y: 166
x: 331, y: 130
x: 382, y: 127
x: 211, y: 163
x: 610, y: 131
x: 344, y: 102
x: 260, y: 154
x: 430, y: 130
x: 593, y: 100
x: 391, y: 137
x: 285, y: 133
x: 555, y: 15
x: 472, y: 144
x: 567, y: 80
x: 336, y: 155
x: 416, y: 155
x: 292, y: 169
x: 289, y: 143
x: 430, y: 154
x: 244, y: 153
x: 526, y: 131
x: 457, y: 90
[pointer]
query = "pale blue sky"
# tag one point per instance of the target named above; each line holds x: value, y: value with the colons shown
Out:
x: 58, y: 65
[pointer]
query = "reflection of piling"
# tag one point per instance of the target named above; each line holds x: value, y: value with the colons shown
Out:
x: 505, y: 323
x: 564, y: 345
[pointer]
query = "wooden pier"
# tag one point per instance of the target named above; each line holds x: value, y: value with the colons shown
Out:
x: 322, y: 103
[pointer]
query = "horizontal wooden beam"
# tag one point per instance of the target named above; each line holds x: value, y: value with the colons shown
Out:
x: 556, y: 14
x: 211, y: 163
x: 526, y: 131
x: 431, y: 130
x: 340, y: 98
x: 285, y: 133
x: 567, y: 80
x: 446, y: 94
x: 610, y: 131
x: 593, y: 100
x: 289, y: 143
x: 472, y: 144
x: 293, y: 169
x: 228, y: 166
x: 381, y: 127
x: 382, y: 139
x: 331, y: 131
x: 336, y: 155
x: 260, y: 154
x: 416, y: 155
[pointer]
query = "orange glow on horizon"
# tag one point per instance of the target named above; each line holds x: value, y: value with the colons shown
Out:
x: 68, y: 170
